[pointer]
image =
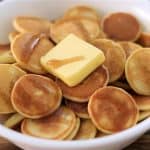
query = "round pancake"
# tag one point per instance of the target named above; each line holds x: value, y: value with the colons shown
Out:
x: 87, y: 130
x: 35, y: 96
x: 27, y: 48
x: 129, y: 47
x: 12, y: 35
x: 80, y: 109
x: 121, y: 26
x: 82, y: 11
x: 56, y: 126
x: 13, y: 121
x: 143, y: 102
x: 74, y: 131
x: 115, y: 57
x: 82, y: 92
x: 137, y: 71
x: 143, y: 115
x: 61, y: 28
x: 112, y: 109
x: 9, y: 74
x: 6, y: 55
x: 24, y: 24
x: 144, y: 39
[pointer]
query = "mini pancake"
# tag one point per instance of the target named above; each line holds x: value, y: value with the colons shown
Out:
x: 143, y: 102
x: 129, y: 47
x: 61, y: 28
x: 56, y: 126
x: 24, y: 24
x: 82, y: 11
x: 6, y: 55
x: 87, y: 130
x: 74, y: 131
x: 137, y: 71
x: 9, y: 74
x: 112, y: 109
x: 13, y: 121
x: 82, y: 92
x: 80, y: 109
x: 35, y: 96
x: 115, y: 57
x: 12, y: 35
x: 121, y: 26
x: 27, y: 48
x: 143, y: 115
x: 144, y: 39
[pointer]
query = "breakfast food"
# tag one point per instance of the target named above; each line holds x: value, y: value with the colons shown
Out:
x: 137, y: 71
x: 72, y: 60
x: 43, y: 98
x: 121, y: 26
x: 115, y: 57
x: 81, y: 80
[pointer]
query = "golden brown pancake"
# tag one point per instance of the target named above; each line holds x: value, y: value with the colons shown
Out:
x: 112, y: 109
x: 137, y: 71
x: 144, y: 39
x: 143, y: 102
x: 121, y: 26
x: 115, y: 57
x: 82, y: 11
x: 82, y: 92
x: 129, y: 47
x: 80, y: 109
x: 13, y: 121
x: 9, y: 74
x: 143, y: 115
x: 101, y: 134
x: 56, y: 126
x: 74, y: 131
x: 24, y: 24
x: 27, y: 48
x: 35, y: 96
x: 6, y: 55
x: 87, y: 130
x: 12, y: 35
x: 61, y: 28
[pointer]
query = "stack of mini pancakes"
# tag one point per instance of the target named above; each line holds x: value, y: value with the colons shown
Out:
x: 114, y: 97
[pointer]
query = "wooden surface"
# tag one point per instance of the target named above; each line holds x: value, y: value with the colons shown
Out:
x: 142, y: 144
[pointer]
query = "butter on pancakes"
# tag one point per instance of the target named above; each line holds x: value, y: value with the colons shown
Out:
x: 112, y: 109
x: 115, y: 57
x: 82, y: 92
x: 137, y: 71
x: 56, y: 126
x: 121, y: 26
x: 35, y: 96
x: 9, y: 74
x: 27, y: 48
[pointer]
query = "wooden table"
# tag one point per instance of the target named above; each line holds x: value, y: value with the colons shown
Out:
x: 142, y: 144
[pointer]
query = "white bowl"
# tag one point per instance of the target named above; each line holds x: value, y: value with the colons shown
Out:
x: 52, y: 9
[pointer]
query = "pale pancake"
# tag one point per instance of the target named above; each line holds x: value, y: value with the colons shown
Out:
x: 137, y: 71
x: 12, y: 35
x: 35, y: 96
x: 74, y: 131
x: 143, y: 115
x: 28, y: 48
x: 82, y: 92
x: 143, y: 102
x: 87, y: 130
x: 9, y: 74
x: 144, y: 39
x: 115, y: 57
x: 80, y: 109
x: 112, y: 109
x: 24, y: 24
x: 56, y: 126
x: 121, y: 26
x: 13, y: 121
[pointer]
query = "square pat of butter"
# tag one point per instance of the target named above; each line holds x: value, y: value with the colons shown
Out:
x: 72, y: 60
